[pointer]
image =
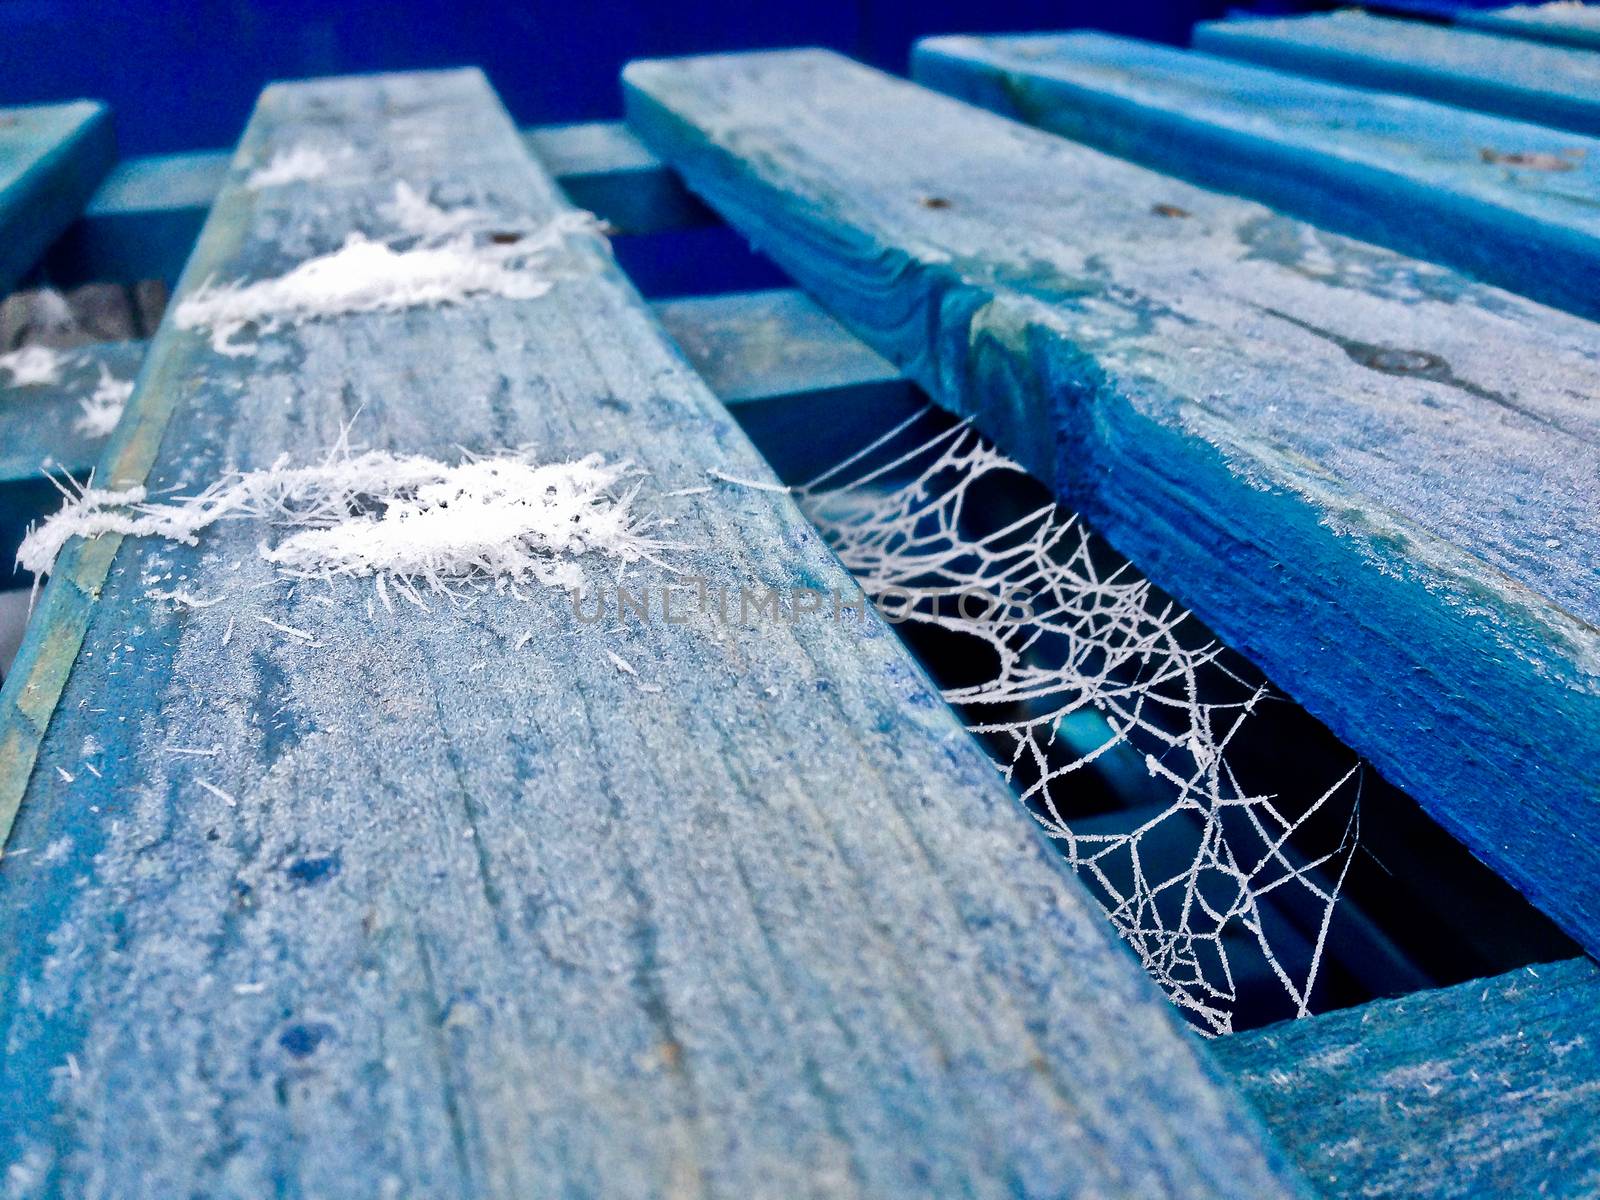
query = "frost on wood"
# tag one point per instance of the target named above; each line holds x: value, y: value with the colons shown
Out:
x: 32, y: 366
x: 413, y: 522
x: 297, y: 164
x: 439, y: 257
x: 103, y: 407
x: 1080, y: 661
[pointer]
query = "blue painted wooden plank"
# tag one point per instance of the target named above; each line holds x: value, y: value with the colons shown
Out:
x: 143, y: 221
x: 42, y: 428
x: 52, y: 156
x: 1547, y: 85
x: 1487, y: 1089
x: 1562, y: 22
x: 449, y: 904
x: 1372, y: 476
x: 604, y: 168
x: 1515, y: 204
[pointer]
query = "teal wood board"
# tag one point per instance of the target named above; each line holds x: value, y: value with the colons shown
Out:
x: 1514, y: 204
x: 1562, y: 23
x: 1488, y: 1089
x: 52, y: 157
x: 1371, y: 475
x: 1546, y: 85
x: 449, y: 904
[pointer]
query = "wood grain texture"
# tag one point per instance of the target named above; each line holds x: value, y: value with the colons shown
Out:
x: 1514, y: 204
x: 1372, y: 476
x: 1488, y: 1089
x: 52, y: 156
x: 487, y: 915
x: 1547, y: 85
x: 144, y: 219
x: 1560, y: 24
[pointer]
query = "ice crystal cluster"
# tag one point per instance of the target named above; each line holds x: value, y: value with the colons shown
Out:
x: 414, y: 523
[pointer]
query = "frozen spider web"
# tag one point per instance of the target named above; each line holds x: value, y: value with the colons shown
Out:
x: 1081, y: 664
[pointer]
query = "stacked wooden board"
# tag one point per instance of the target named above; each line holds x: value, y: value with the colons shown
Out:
x: 357, y: 900
x: 339, y: 900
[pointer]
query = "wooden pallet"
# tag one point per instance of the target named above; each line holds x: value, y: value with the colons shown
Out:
x: 458, y: 908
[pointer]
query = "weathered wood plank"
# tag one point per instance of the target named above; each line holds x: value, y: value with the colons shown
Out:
x: 1547, y: 85
x: 143, y: 221
x: 1372, y: 476
x: 1562, y: 23
x: 1490, y: 1088
x: 52, y: 156
x: 43, y: 428
x: 449, y: 904
x: 1515, y: 204
x: 604, y: 168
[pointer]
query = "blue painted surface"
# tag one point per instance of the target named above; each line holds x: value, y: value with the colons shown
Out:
x: 1562, y: 24
x: 51, y: 159
x: 182, y: 76
x: 1489, y: 1089
x: 1547, y: 85
x: 1372, y: 476
x: 478, y: 913
x: 1514, y: 204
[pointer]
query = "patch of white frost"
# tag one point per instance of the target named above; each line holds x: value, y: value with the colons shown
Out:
x: 414, y: 214
x: 103, y: 408
x: 408, y: 519
x: 33, y: 366
x: 294, y: 165
x: 366, y: 276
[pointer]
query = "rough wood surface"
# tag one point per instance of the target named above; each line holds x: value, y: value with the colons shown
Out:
x: 1562, y: 23
x: 1514, y: 204
x: 1372, y: 476
x: 450, y: 904
x: 1489, y: 1089
x: 1548, y: 85
x: 52, y: 156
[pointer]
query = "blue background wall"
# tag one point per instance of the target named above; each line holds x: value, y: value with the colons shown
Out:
x: 182, y: 74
